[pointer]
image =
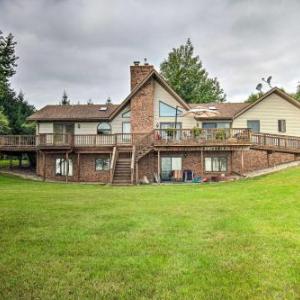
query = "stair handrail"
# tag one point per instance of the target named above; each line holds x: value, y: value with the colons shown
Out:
x: 145, y: 141
x: 132, y: 163
x: 113, y: 164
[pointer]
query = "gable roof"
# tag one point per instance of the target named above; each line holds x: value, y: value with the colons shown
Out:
x: 274, y: 90
x: 161, y: 80
x: 92, y: 112
x: 73, y: 113
x: 226, y: 110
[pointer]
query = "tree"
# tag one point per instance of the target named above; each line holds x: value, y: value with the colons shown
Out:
x: 7, y: 62
x: 14, y: 107
x: 4, y: 127
x: 186, y: 75
x: 297, y: 95
x: 253, y: 97
x: 65, y: 100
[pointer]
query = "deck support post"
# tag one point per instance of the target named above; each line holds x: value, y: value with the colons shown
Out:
x: 231, y: 161
x: 158, y: 166
x: 268, y: 158
x: 137, y: 172
x: 78, y: 166
x: 44, y: 166
x: 242, y: 162
x: 67, y: 164
x: 10, y: 162
x: 202, y: 163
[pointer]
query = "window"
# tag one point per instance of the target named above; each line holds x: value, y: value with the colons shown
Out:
x: 167, y: 130
x: 102, y: 164
x: 216, y: 125
x: 170, y: 166
x: 215, y: 164
x: 62, y: 166
x: 281, y: 126
x: 165, y: 110
x: 254, y: 125
x: 104, y: 128
x: 126, y: 114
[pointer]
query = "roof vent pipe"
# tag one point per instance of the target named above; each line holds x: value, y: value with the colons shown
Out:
x: 145, y: 62
x: 136, y: 63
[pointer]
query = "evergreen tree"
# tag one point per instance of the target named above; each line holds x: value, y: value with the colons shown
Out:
x: 65, y: 100
x: 297, y: 95
x: 186, y: 75
x: 14, y: 107
x: 7, y: 63
x: 4, y: 125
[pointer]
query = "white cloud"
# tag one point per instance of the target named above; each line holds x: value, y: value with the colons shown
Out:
x: 86, y: 47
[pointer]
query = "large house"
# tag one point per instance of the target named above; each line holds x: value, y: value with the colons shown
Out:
x: 151, y: 136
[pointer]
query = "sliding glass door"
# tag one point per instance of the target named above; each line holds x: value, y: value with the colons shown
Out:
x: 171, y: 168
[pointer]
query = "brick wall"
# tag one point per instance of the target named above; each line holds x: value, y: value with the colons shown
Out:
x: 88, y: 171
x: 190, y: 161
x: 142, y: 109
x: 253, y: 160
x: 259, y: 159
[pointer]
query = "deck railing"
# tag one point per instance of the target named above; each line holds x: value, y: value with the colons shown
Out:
x: 156, y: 137
x: 202, y: 136
x: 275, y: 140
x: 18, y: 140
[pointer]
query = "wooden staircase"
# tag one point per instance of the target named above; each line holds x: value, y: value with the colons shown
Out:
x: 122, y: 174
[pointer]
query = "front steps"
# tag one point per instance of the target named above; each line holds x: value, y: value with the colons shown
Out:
x: 122, y: 174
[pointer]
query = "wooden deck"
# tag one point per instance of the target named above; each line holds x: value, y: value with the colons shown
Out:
x: 229, y: 137
x: 276, y: 142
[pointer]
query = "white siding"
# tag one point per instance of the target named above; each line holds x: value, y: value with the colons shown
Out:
x: 86, y: 127
x: 269, y: 111
x: 91, y: 127
x: 116, y: 123
x: 45, y: 127
x: 160, y: 94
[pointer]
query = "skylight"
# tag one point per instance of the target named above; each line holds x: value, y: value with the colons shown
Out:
x: 103, y: 108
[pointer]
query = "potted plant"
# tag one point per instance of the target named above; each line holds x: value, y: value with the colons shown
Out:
x: 221, y: 134
x: 197, y: 132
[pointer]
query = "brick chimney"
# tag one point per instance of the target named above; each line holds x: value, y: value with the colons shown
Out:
x: 138, y: 72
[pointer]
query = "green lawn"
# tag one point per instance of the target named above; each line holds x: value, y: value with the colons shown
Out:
x: 5, y: 163
x: 238, y: 240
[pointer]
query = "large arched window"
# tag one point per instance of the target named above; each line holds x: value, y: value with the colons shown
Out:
x: 104, y: 128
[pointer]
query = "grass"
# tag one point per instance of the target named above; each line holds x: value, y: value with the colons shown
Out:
x: 238, y: 240
x: 5, y: 163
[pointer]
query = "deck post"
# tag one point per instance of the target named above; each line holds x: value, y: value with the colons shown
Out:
x: 78, y: 166
x: 231, y: 161
x: 268, y: 158
x: 137, y: 172
x: 67, y: 164
x: 158, y: 166
x: 242, y: 161
x: 202, y: 162
x: 44, y: 166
